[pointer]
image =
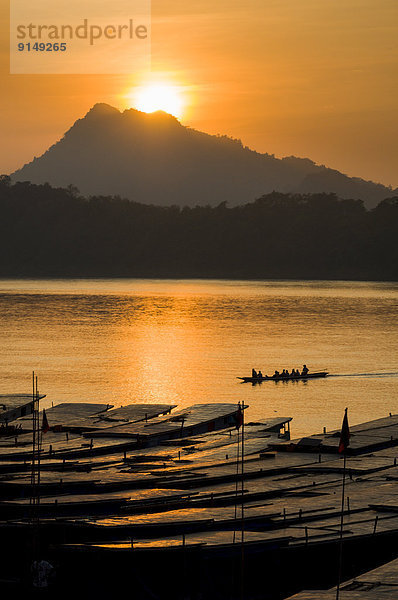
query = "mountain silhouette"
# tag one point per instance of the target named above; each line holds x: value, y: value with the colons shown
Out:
x: 154, y: 159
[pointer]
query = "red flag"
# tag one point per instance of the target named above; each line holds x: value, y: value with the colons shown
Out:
x: 45, y: 426
x: 345, y: 434
x: 239, y: 417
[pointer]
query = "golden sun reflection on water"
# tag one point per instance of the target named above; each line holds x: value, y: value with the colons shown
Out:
x: 173, y: 342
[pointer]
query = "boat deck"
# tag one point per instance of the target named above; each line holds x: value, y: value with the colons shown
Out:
x: 14, y: 406
x: 378, y: 584
x: 366, y: 437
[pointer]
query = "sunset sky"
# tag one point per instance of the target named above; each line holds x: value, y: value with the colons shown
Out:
x: 312, y: 78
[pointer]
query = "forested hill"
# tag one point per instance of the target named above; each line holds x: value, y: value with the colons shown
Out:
x: 53, y: 232
x: 154, y: 159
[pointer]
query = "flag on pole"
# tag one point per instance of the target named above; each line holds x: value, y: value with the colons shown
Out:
x: 45, y: 426
x: 239, y: 417
x: 345, y: 434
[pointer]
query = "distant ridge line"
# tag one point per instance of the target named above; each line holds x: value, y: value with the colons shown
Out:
x: 153, y: 159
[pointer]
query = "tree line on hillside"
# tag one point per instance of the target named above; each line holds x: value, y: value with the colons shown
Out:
x: 55, y: 232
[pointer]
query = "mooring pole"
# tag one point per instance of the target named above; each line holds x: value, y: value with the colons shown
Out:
x: 243, y: 507
x: 236, y: 482
x: 39, y: 442
x: 341, y: 533
x: 33, y: 469
x: 343, y: 445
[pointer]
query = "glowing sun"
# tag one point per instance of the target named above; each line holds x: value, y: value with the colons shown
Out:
x: 152, y: 97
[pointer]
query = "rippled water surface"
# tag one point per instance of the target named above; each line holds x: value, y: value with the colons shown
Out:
x: 182, y: 342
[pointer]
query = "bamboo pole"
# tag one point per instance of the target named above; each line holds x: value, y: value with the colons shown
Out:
x: 341, y: 532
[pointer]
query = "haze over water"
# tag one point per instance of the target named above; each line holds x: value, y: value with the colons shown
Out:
x: 185, y: 342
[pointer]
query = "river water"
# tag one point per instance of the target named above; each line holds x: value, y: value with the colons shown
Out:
x: 184, y: 342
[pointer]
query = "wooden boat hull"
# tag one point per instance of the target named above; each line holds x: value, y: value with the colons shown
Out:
x: 298, y: 378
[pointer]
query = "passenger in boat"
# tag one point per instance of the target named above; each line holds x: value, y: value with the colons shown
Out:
x: 293, y: 373
x: 276, y: 374
x: 260, y: 375
x: 285, y: 373
x: 304, y: 372
x: 254, y: 374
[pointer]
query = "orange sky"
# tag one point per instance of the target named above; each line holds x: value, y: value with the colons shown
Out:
x: 315, y: 78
